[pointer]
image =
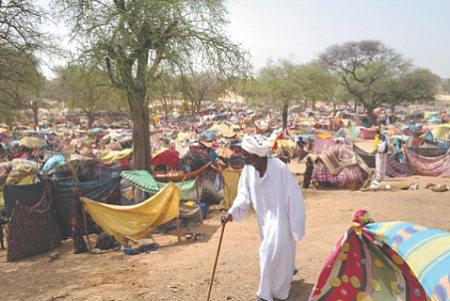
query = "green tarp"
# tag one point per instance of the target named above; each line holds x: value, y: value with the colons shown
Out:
x: 144, y: 180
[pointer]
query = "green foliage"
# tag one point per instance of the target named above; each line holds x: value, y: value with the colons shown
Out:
x: 20, y: 41
x: 88, y: 89
x: 365, y: 68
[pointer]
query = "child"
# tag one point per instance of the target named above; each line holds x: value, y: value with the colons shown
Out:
x: 308, y: 172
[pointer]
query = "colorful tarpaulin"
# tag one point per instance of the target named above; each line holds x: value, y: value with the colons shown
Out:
x: 137, y: 220
x: 386, y: 261
x: 144, y: 180
x: 428, y: 166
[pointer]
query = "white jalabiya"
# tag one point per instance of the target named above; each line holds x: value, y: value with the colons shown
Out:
x: 281, y: 216
x: 380, y: 166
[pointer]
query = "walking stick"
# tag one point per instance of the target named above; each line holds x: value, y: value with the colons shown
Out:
x: 215, y: 263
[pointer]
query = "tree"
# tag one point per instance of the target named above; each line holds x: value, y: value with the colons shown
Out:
x: 198, y: 87
x: 276, y: 82
x: 316, y: 83
x: 20, y: 40
x: 137, y: 40
x: 365, y: 69
x: 89, y: 90
x: 416, y: 85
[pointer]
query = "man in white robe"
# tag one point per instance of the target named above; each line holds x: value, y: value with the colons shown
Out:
x: 381, y: 157
x: 269, y: 185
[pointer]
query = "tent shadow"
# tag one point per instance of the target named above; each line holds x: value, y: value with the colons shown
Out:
x: 200, y: 234
x: 300, y: 290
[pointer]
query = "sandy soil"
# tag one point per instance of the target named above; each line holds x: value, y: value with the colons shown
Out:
x: 182, y: 270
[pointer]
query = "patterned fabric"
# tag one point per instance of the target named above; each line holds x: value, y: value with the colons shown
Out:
x: 429, y: 151
x: 76, y: 221
x: 425, y: 250
x: 428, y: 166
x: 320, y: 145
x: 341, y: 165
x: 349, y: 175
x: 396, y: 169
x: 337, y: 158
x: 367, y: 133
x: 32, y: 230
x: 386, y: 261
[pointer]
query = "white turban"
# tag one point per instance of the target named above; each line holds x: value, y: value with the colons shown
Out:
x: 256, y: 144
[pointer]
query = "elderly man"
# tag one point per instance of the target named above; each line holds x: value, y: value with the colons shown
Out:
x: 269, y: 185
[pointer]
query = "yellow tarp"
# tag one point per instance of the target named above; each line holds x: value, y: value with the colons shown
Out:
x: 137, y: 220
x: 324, y: 135
x: 110, y: 156
x: 182, y: 137
x: 31, y: 142
x: 231, y: 179
x: 222, y: 130
x: 441, y: 131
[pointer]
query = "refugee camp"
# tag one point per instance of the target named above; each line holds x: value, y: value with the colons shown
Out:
x: 158, y: 160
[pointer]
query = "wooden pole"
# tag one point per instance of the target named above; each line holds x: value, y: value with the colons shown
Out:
x: 215, y: 262
x: 178, y: 216
x: 85, y: 227
x: 198, y: 195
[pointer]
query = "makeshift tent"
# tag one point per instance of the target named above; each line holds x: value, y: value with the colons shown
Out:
x: 62, y: 195
x: 137, y: 220
x: 386, y: 261
x: 340, y: 165
x: 367, y: 133
x: 428, y: 166
x: 143, y: 180
x: 441, y: 131
x: 32, y: 229
x: 322, y: 143
x: 169, y: 158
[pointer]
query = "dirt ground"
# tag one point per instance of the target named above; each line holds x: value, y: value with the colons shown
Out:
x: 182, y: 270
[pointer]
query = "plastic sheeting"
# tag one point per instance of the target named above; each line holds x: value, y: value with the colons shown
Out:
x: 137, y: 220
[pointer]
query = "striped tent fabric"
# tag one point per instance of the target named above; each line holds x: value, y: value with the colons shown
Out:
x: 388, y: 262
x: 144, y: 180
x: 428, y: 166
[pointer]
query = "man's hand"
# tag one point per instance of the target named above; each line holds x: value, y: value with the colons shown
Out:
x: 226, y: 218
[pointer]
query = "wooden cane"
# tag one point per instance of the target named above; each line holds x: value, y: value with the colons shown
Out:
x: 215, y: 263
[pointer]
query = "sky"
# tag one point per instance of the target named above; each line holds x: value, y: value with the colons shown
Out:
x: 302, y: 29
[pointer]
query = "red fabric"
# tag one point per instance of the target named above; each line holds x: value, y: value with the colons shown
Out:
x: 168, y: 157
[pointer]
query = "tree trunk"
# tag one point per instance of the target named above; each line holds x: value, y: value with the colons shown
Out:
x: 141, y: 130
x: 90, y: 119
x: 285, y: 114
x: 392, y: 117
x: 371, y: 117
x: 355, y: 107
x: 35, y: 116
